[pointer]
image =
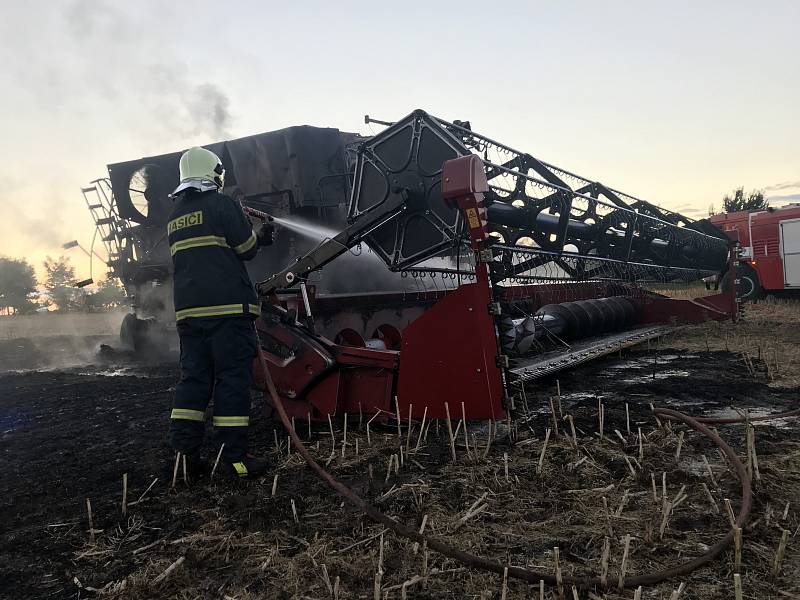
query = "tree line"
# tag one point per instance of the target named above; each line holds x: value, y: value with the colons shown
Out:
x: 22, y: 293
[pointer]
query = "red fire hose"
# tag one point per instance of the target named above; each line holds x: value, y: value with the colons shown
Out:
x: 528, y: 575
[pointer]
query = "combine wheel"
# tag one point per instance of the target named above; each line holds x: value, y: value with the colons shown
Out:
x: 143, y: 335
x: 749, y: 287
x: 127, y: 330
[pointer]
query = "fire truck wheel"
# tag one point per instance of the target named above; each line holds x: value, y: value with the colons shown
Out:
x: 749, y: 288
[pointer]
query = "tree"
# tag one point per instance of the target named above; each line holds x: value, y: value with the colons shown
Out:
x: 753, y: 201
x: 17, y: 286
x: 60, y: 284
x: 109, y: 294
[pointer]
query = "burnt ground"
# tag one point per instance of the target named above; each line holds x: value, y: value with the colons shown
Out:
x: 70, y: 434
x: 50, y: 352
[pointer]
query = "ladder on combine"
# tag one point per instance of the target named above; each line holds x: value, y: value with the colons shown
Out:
x: 99, y: 199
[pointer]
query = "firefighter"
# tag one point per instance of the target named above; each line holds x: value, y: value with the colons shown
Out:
x: 215, y: 305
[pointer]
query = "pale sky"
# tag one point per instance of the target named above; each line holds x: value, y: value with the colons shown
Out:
x: 677, y: 102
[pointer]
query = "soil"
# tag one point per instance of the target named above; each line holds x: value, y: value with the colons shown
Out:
x: 70, y: 434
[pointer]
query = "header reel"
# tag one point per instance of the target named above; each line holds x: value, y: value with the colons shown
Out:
x: 589, y: 231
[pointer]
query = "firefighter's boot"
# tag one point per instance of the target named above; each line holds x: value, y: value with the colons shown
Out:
x: 249, y: 467
x: 191, y: 466
x: 196, y: 467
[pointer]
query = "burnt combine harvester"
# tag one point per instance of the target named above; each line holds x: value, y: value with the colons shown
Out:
x: 302, y: 172
x: 521, y: 269
x: 462, y: 269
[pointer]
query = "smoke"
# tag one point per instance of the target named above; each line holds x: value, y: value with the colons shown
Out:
x: 84, y: 17
x: 41, y: 229
x: 180, y: 103
x: 364, y: 272
x: 118, y: 63
x: 94, y: 82
x: 184, y: 109
x: 55, y: 340
x: 361, y: 273
x: 212, y: 104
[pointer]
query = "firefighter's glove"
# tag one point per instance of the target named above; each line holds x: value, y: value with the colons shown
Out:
x: 265, y: 234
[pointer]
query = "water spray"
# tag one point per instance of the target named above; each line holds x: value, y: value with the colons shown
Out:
x: 311, y: 230
x: 306, y: 229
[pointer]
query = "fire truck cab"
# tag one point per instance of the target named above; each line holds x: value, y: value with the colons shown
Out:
x: 770, y: 242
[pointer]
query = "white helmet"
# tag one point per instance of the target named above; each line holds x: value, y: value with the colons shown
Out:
x: 200, y: 169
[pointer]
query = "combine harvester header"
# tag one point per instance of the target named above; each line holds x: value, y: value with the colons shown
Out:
x: 533, y: 268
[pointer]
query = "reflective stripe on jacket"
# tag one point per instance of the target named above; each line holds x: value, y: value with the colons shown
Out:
x: 209, y: 240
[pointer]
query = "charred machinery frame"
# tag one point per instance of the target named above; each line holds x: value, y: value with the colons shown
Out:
x: 300, y: 172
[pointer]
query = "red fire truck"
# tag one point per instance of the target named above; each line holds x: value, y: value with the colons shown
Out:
x: 770, y: 242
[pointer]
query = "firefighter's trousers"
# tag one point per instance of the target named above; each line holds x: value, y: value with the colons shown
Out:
x: 216, y: 359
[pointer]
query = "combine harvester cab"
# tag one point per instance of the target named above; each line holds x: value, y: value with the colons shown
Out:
x: 523, y: 269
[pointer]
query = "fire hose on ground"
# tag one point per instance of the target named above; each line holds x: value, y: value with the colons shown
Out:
x: 477, y: 562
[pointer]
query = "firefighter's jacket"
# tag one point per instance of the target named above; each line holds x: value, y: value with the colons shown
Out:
x: 209, y: 239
